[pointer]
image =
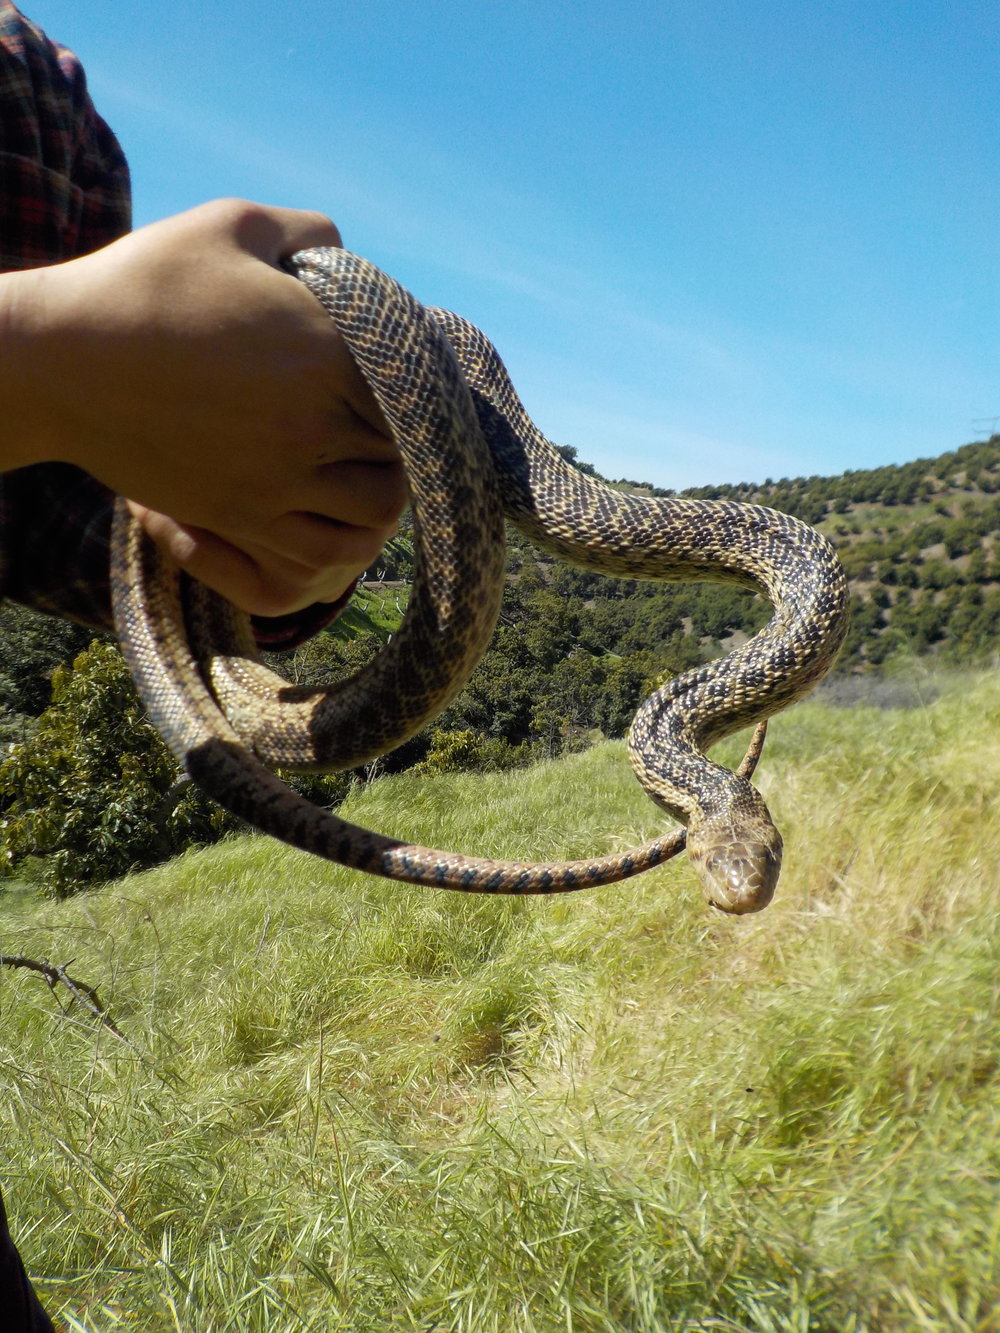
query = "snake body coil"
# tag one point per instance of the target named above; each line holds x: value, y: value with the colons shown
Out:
x: 472, y: 456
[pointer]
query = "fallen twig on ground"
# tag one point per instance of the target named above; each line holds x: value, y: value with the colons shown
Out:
x: 55, y: 974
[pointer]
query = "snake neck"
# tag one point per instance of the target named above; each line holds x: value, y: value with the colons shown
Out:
x: 667, y: 752
x: 732, y: 841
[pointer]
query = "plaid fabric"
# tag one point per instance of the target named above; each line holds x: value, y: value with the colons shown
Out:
x: 64, y: 192
x: 64, y: 182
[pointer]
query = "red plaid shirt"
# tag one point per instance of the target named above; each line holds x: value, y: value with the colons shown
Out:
x: 64, y: 183
x: 64, y: 191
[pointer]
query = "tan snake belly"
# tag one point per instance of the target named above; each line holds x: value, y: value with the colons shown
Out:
x: 472, y: 456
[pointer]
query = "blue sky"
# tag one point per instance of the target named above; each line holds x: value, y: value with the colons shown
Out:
x: 713, y: 241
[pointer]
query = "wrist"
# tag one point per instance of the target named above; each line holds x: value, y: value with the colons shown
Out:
x: 26, y: 385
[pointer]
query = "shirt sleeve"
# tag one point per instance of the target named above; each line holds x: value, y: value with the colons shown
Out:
x: 64, y: 181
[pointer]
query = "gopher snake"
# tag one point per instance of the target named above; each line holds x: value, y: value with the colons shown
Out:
x: 472, y: 455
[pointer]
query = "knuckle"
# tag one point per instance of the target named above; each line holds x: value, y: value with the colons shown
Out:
x: 232, y: 212
x: 370, y: 542
x: 254, y: 225
x: 321, y: 223
x: 393, y: 499
x: 269, y: 602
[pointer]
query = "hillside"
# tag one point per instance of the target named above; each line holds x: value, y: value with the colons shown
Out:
x: 573, y: 656
x: 576, y: 652
x: 921, y: 546
x: 920, y: 542
x: 349, y: 1107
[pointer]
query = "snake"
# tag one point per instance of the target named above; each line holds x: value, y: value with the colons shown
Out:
x: 474, y: 460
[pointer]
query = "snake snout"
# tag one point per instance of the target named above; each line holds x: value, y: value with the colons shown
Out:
x: 738, y: 871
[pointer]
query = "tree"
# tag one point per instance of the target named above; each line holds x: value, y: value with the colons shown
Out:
x: 31, y: 647
x: 92, y: 793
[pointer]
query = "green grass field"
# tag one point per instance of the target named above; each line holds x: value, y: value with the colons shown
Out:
x: 346, y: 1105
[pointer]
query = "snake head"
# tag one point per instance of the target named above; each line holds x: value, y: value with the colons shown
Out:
x: 737, y: 858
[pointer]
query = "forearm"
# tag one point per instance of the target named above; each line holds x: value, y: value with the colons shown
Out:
x: 23, y: 373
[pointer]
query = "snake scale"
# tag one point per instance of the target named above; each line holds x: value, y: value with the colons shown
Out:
x: 472, y: 457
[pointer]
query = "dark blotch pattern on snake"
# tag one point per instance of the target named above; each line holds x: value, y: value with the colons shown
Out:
x: 473, y: 457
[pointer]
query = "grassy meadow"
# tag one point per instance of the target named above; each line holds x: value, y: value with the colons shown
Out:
x: 349, y: 1105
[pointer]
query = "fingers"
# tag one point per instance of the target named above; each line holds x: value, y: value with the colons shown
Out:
x: 308, y: 559
x: 259, y: 586
x: 355, y: 491
x: 272, y: 233
x: 311, y: 543
x: 326, y: 510
x: 302, y: 546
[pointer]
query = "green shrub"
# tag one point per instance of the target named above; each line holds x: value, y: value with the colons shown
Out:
x: 93, y: 793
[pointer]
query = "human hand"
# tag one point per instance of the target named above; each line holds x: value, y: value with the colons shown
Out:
x: 184, y: 370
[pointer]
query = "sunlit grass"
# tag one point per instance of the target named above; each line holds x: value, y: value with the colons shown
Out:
x: 349, y: 1105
